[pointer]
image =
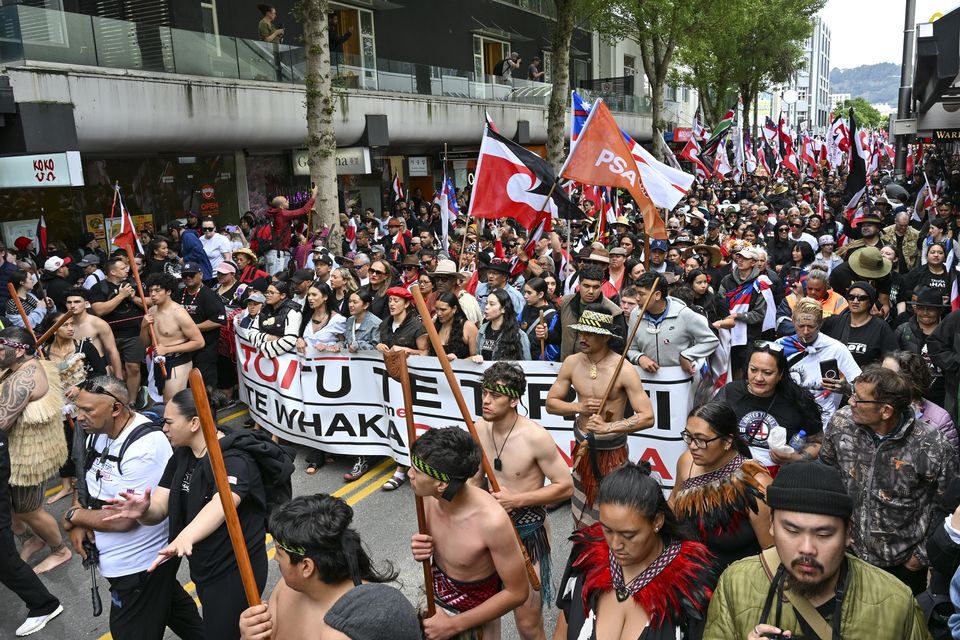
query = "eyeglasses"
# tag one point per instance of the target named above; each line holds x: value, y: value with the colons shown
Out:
x: 92, y: 387
x: 209, y: 228
x: 861, y: 298
x: 698, y: 443
x: 377, y: 272
x: 855, y: 400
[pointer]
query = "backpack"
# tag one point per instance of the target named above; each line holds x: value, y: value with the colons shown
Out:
x: 262, y: 238
x: 141, y: 430
x: 274, y: 462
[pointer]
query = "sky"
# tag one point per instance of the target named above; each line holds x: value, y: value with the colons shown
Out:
x: 881, y: 26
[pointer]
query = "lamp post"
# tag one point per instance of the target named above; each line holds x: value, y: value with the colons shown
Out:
x: 906, y: 89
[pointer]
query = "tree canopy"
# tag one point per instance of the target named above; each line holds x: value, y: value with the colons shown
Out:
x: 866, y: 114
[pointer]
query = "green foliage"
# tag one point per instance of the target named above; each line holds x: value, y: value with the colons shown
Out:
x: 867, y: 116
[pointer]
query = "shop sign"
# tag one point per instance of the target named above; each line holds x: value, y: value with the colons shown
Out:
x: 207, y: 192
x: 945, y: 134
x: 351, y: 161
x: 41, y: 170
x: 419, y: 167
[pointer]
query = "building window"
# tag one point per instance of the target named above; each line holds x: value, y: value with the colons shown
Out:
x: 208, y: 17
x: 487, y: 56
x: 629, y: 65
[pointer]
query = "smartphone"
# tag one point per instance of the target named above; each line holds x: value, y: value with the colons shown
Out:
x: 830, y: 369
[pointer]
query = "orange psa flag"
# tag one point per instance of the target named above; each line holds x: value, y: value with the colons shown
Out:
x: 601, y: 157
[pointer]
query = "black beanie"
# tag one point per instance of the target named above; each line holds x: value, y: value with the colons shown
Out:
x: 810, y: 487
x: 867, y: 288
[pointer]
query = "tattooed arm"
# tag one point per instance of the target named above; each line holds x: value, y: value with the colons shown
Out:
x: 16, y: 392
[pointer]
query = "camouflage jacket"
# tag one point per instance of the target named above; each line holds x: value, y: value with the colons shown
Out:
x: 894, y: 484
x: 910, y: 249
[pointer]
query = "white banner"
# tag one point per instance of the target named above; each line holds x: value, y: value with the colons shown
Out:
x: 347, y: 404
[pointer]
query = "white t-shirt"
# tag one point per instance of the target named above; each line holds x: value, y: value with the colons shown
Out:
x: 806, y: 371
x: 128, y: 552
x: 91, y: 280
x: 215, y: 247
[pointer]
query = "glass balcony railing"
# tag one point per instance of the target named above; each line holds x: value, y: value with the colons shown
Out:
x: 43, y: 35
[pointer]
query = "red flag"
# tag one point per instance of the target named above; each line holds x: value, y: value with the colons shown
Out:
x: 602, y: 157
x: 126, y: 237
x: 691, y: 152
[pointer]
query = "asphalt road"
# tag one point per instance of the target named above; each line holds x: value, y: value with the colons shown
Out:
x: 385, y: 522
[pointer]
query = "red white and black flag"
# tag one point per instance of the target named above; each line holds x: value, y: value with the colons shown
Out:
x: 513, y: 182
x: 691, y: 153
x: 42, y: 236
x: 857, y: 174
x: 398, y: 194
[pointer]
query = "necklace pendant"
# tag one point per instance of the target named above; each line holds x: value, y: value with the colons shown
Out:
x: 593, y: 371
x: 622, y: 594
x: 497, y: 464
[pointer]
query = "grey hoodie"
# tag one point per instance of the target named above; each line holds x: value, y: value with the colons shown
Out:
x: 683, y: 332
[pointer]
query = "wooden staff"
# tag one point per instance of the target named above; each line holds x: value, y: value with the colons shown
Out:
x: 396, y: 362
x: 143, y: 302
x: 626, y: 347
x: 26, y: 319
x: 223, y: 487
x: 52, y: 330
x: 467, y: 418
x: 543, y: 341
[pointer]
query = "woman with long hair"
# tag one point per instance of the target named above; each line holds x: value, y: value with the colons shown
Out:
x: 720, y: 491
x: 802, y: 256
x: 187, y: 496
x: 933, y: 274
x: 382, y: 276
x: 500, y: 337
x: 321, y: 329
x: 278, y: 328
x: 702, y: 298
x: 538, y: 301
x: 767, y: 398
x: 35, y: 307
x: 636, y: 573
x: 458, y: 335
x: 342, y: 283
x: 779, y: 247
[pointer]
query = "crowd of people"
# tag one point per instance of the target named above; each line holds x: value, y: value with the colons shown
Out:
x: 818, y: 495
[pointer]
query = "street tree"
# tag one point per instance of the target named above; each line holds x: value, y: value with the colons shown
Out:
x: 866, y: 114
x: 320, y: 103
x: 567, y: 11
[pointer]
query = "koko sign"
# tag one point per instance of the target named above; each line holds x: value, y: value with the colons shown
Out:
x: 41, y: 170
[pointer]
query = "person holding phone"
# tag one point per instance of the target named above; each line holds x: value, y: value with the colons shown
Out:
x: 808, y: 348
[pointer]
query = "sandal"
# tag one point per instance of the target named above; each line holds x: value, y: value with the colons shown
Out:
x: 312, y: 468
x: 360, y: 467
x: 398, y: 480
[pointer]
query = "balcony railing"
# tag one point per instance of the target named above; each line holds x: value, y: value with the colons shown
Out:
x: 43, y: 35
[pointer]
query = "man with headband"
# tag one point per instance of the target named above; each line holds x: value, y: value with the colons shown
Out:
x: 806, y: 584
x: 523, y: 455
x: 478, y: 570
x: 23, y: 383
x: 602, y: 439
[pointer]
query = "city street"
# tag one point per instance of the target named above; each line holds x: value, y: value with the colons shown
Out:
x: 385, y: 522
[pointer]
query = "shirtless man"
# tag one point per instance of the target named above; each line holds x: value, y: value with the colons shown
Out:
x: 317, y: 597
x: 604, y: 437
x: 478, y: 572
x: 90, y: 326
x: 177, y: 334
x: 523, y: 455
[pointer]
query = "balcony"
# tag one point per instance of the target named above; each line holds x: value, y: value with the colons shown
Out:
x: 29, y: 34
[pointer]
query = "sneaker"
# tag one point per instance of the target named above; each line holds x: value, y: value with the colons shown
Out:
x: 143, y: 399
x: 360, y: 467
x: 32, y: 625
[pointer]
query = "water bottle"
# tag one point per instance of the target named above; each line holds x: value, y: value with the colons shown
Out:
x: 799, y: 441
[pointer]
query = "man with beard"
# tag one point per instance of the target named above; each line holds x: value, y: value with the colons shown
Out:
x: 831, y: 593
x: 602, y: 439
x: 869, y: 226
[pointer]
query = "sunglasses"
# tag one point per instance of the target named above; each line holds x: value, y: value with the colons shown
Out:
x: 796, y: 226
x: 92, y: 387
x: 209, y: 228
x: 860, y: 298
x: 378, y: 272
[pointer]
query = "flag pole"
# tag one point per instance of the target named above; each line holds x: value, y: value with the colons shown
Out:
x: 231, y: 518
x: 532, y: 576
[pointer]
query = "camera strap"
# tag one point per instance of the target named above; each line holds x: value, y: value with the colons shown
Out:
x: 770, y: 560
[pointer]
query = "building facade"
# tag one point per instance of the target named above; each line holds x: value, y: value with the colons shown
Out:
x: 183, y: 105
x: 811, y: 111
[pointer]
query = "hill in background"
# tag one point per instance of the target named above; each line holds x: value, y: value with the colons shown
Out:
x: 875, y: 82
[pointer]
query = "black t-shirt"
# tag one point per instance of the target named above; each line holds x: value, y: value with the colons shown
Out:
x: 93, y: 362
x: 758, y: 416
x: 213, y: 556
x: 125, y: 320
x: 843, y: 276
x: 204, y: 305
x: 922, y: 277
x: 867, y: 344
x: 488, y: 345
